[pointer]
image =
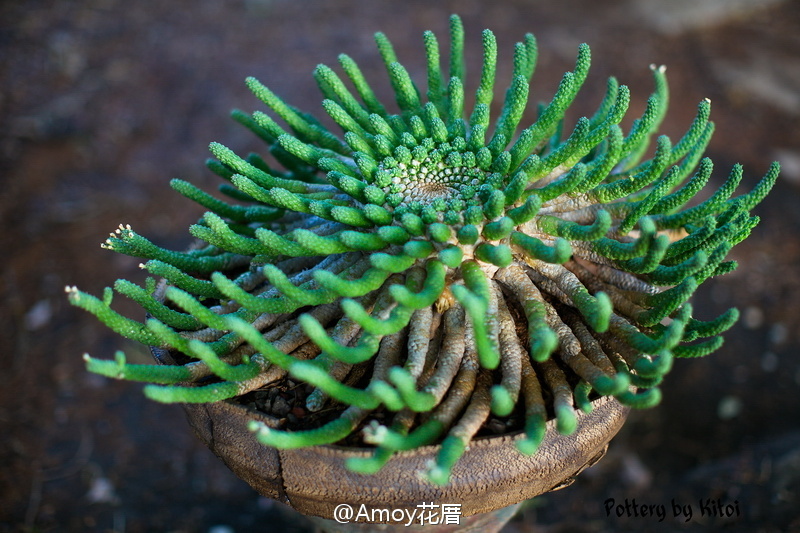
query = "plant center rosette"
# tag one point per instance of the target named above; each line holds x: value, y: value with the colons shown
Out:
x: 428, y: 276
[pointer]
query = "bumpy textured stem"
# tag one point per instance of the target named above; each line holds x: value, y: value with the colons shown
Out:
x: 430, y: 267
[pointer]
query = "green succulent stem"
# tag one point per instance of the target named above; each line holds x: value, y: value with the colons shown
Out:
x: 421, y: 266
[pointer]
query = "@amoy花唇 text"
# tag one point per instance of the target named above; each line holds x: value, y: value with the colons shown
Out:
x: 427, y: 513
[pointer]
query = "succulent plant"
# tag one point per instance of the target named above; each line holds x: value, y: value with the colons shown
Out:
x: 428, y: 274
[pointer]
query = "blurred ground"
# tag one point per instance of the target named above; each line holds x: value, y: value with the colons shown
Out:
x: 102, y: 104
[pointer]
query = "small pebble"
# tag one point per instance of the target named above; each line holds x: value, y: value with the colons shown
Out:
x: 496, y: 426
x: 753, y: 317
x: 38, y: 316
x: 778, y: 334
x: 769, y: 362
x: 280, y: 407
x: 729, y: 407
x: 635, y: 473
x: 101, y: 491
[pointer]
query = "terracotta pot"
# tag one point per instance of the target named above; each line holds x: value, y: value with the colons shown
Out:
x: 491, y: 475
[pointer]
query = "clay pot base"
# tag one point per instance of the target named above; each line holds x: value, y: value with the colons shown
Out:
x: 491, y: 475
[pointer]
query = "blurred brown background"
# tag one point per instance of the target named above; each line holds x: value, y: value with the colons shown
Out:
x: 103, y: 101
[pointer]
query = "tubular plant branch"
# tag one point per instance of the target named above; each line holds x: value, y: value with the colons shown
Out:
x: 429, y: 268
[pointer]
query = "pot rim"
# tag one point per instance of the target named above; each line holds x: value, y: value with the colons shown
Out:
x: 490, y: 475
